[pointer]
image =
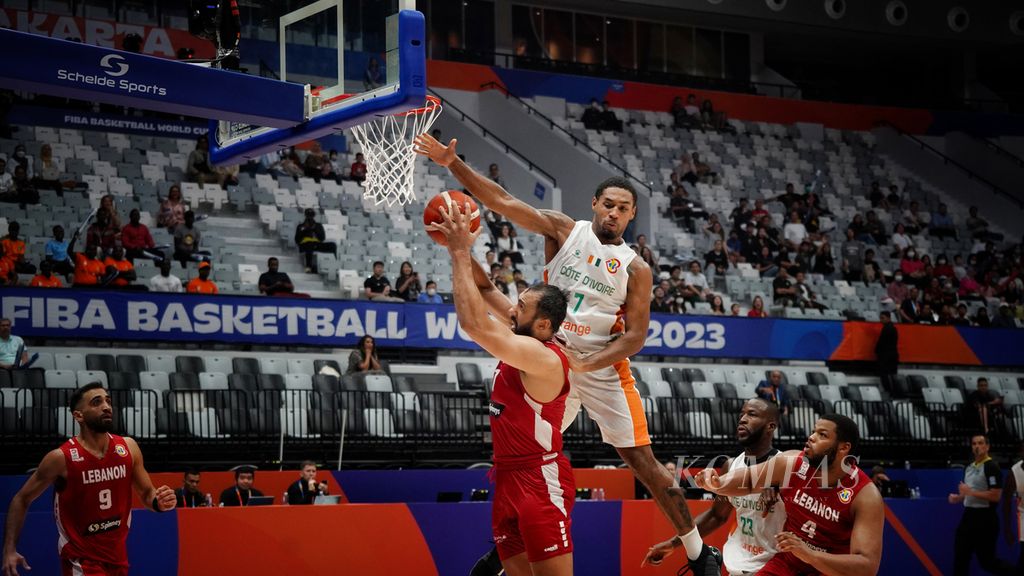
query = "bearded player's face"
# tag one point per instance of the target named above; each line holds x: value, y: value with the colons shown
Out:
x: 524, y: 313
x: 97, y: 413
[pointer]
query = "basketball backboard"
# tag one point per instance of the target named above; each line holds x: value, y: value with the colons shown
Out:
x: 359, y: 58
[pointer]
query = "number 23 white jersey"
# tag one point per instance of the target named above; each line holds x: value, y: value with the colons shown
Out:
x: 595, y: 277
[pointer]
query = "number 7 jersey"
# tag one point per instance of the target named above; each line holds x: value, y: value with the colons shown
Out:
x: 595, y: 277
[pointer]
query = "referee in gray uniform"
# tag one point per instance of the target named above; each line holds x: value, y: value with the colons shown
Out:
x: 979, y: 528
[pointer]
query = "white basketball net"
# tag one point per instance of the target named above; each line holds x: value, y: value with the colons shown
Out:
x: 388, y: 152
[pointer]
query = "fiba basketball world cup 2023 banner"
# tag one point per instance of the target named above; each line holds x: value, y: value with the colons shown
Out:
x: 123, y: 316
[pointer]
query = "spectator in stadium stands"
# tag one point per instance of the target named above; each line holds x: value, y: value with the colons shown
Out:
x: 14, y: 250
x: 978, y: 531
x: 609, y: 121
x: 494, y: 173
x: 695, y: 284
x: 310, y: 238
x: 357, y: 171
x: 685, y: 169
x: 703, y: 171
x: 199, y: 169
x: 101, y: 233
x: 202, y: 283
x: 507, y: 271
x: 734, y: 309
x: 172, y: 210
x: 334, y: 168
x: 8, y: 277
x: 717, y: 258
x: 685, y: 115
x: 961, y: 318
x: 274, y: 283
x: 913, y: 268
x: 1004, y: 317
x: 6, y: 180
x: 943, y: 269
x: 710, y: 118
x: 874, y: 228
x: 717, y: 306
x: 47, y: 171
x: 377, y: 286
x: 306, y: 488
x: 912, y: 219
x: 45, y: 278
x: 764, y: 262
x: 681, y: 207
x: 740, y: 215
x: 897, y: 290
x: 137, y: 240
x: 505, y: 244
x: 927, y: 314
x: 757, y: 308
x: 165, y: 281
x: 242, y: 491
x: 315, y: 162
x: 887, y: 354
x: 910, y: 307
x: 789, y: 198
x: 22, y: 191
x: 773, y: 390
x: 430, y: 295
x: 592, y: 116
x: 900, y: 240
x: 89, y: 268
x: 876, y: 196
x: 824, y: 262
x: 714, y: 229
x: 783, y: 290
x: 941, y: 224
x: 20, y: 158
x: 372, y: 77
x: 408, y: 286
x: 970, y: 289
x: 189, y: 495
x: 9, y: 346
x: 804, y: 257
x: 187, y: 240
x: 120, y: 271
x: 981, y: 318
x: 893, y: 199
x: 806, y: 298
x: 113, y: 217
x: 364, y: 357
x: 662, y: 302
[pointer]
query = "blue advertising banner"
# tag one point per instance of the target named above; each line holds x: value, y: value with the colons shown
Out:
x: 260, y: 320
x: 87, y: 120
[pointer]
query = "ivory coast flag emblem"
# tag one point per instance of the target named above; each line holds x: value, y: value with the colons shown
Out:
x: 593, y: 261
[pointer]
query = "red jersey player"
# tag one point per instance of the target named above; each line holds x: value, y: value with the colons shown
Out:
x: 834, y: 513
x: 93, y: 475
x: 534, y: 487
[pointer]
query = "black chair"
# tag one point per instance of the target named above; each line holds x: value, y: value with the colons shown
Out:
x: 271, y: 382
x: 682, y: 389
x: 725, y: 390
x: 811, y: 393
x: 245, y: 366
x: 319, y: 364
x: 851, y: 393
x: 817, y: 379
x: 245, y: 382
x: 635, y: 372
x: 641, y: 387
x: 123, y: 381
x: 324, y: 422
x: 51, y: 397
x: 5, y: 379
x: 182, y: 381
x: 266, y: 421
x: 189, y: 364
x: 673, y: 375
x: 171, y: 423
x: 101, y: 362
x: 406, y: 421
x: 468, y: 376
x: 9, y: 420
x: 236, y: 422
x: 34, y: 379
x: 39, y: 420
x: 956, y: 382
x: 326, y: 384
x: 694, y: 375
x: 131, y: 363
x: 404, y: 383
x: 917, y: 383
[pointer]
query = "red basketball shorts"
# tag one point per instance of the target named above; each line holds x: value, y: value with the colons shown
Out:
x: 84, y: 567
x: 531, y: 510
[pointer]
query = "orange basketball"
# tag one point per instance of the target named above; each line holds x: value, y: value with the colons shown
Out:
x: 432, y: 213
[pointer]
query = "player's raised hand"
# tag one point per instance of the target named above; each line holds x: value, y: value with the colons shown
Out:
x: 165, y: 498
x: 708, y: 479
x: 456, y: 224
x: 656, y: 554
x: 12, y: 560
x: 789, y: 542
x: 427, y: 145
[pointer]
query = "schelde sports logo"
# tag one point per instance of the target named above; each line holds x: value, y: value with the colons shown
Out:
x: 109, y: 61
x: 845, y: 495
x: 612, y: 264
x: 121, y: 450
x: 113, y: 66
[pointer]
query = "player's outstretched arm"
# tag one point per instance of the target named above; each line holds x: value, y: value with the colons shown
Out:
x: 865, y: 541
x: 547, y: 222
x: 749, y: 480
x: 497, y: 303
x: 159, y: 499
x: 50, y: 469
x: 638, y: 320
x: 717, y: 515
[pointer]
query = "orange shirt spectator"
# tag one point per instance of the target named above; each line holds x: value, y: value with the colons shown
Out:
x: 202, y: 284
x: 88, y: 271
x: 6, y: 270
x: 14, y: 250
x: 41, y: 281
x: 121, y: 266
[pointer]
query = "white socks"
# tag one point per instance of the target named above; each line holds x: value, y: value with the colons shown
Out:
x: 693, y: 544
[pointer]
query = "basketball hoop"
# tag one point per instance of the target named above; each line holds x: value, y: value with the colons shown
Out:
x: 388, y: 152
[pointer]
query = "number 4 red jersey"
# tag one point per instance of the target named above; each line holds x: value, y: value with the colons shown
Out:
x: 821, y: 516
x: 93, y: 506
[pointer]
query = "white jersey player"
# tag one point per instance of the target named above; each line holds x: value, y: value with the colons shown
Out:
x: 607, y: 321
x: 759, y: 517
x: 1014, y: 488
